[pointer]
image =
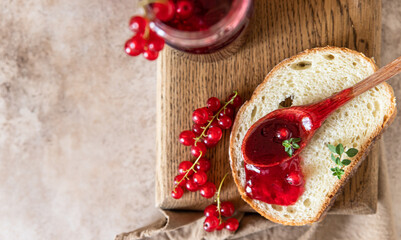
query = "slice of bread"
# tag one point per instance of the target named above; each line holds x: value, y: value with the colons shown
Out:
x: 306, y: 78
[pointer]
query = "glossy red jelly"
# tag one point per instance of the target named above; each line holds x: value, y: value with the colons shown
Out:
x: 200, y: 15
x: 265, y: 144
x: 262, y: 145
x: 282, y: 184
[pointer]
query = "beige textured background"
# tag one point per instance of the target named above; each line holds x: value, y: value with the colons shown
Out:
x: 77, y: 120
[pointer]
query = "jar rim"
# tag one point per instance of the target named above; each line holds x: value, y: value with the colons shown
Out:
x: 234, y: 19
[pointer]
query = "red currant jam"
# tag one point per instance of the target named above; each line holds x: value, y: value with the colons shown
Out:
x: 198, y: 15
x: 264, y: 145
x: 204, y: 30
x: 282, y: 184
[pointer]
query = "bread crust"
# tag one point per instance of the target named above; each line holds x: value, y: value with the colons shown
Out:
x: 349, y: 171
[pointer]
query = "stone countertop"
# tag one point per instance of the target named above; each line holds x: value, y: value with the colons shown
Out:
x: 77, y: 120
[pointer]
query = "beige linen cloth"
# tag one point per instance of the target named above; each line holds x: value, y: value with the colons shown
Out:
x: 179, y: 225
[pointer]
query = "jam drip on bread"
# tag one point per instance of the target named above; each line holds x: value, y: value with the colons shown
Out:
x: 281, y: 185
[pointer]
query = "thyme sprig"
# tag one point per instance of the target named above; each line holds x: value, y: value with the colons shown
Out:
x: 336, y: 155
x: 290, y: 145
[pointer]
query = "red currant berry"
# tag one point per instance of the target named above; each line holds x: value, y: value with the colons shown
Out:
x: 150, y: 55
x: 214, y: 134
x: 237, y: 102
x: 228, y: 111
x: 208, y: 190
x: 184, y: 167
x: 227, y: 209
x: 221, y: 226
x: 214, y: 123
x: 155, y: 43
x: 184, y: 9
x: 213, y: 104
x: 197, y: 129
x: 200, y: 116
x: 211, y: 210
x: 232, y: 224
x: 209, y: 112
x: 164, y: 11
x: 294, y: 178
x: 225, y: 122
x: 134, y: 46
x: 209, y: 143
x: 199, y: 149
x: 283, y: 133
x: 187, y: 138
x: 203, y: 165
x: 211, y: 223
x: 137, y: 24
x: 180, y: 179
x: 191, y: 186
x: 177, y: 193
x: 199, y: 178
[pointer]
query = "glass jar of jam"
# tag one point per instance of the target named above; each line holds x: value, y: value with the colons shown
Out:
x: 210, y: 29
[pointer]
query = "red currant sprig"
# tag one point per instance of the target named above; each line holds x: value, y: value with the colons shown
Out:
x: 215, y: 213
x: 206, y: 133
x: 209, y: 122
x: 145, y: 41
x: 193, y: 177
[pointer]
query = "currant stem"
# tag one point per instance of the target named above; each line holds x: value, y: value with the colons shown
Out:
x: 143, y: 3
x: 189, y: 170
x: 218, y: 197
x: 147, y: 32
x: 203, y: 134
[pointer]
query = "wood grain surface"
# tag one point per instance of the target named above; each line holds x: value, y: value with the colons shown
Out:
x: 278, y: 30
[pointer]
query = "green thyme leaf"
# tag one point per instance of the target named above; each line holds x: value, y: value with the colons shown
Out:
x: 295, y: 140
x: 338, y: 162
x: 337, y: 172
x: 351, y: 152
x: 346, y: 162
x: 340, y: 149
x: 332, y: 148
x: 295, y: 146
x: 340, y: 173
x: 290, y: 152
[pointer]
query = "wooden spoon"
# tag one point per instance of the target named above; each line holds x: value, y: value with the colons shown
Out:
x: 263, y: 143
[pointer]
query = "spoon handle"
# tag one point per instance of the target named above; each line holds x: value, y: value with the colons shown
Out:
x: 378, y: 77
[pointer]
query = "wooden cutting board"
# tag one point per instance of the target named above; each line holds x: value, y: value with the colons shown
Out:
x: 278, y: 30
